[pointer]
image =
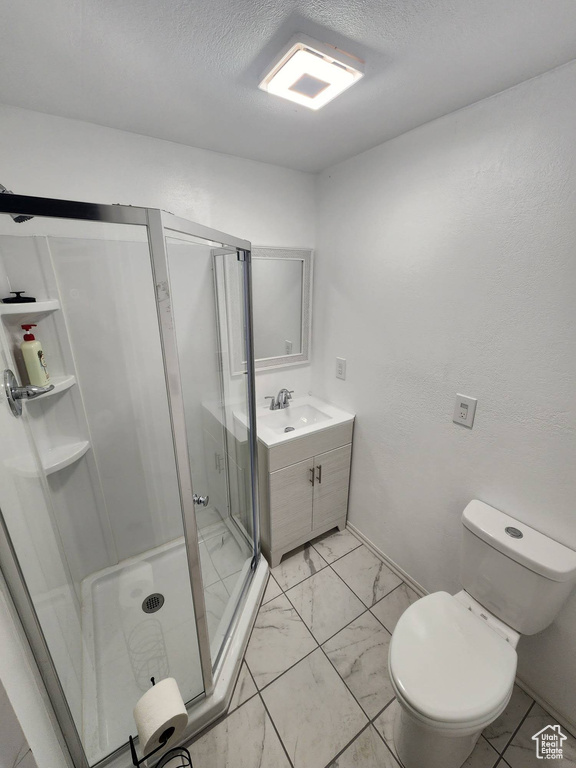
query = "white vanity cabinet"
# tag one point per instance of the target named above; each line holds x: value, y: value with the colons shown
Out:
x: 303, y: 488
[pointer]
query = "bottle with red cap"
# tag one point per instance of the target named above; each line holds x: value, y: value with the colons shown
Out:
x: 34, y: 359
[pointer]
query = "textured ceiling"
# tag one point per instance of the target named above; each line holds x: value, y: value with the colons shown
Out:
x: 187, y: 70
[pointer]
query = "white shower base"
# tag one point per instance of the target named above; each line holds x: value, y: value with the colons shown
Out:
x: 123, y: 646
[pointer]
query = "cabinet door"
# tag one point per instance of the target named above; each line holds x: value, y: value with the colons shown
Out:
x: 332, y: 476
x: 290, y: 503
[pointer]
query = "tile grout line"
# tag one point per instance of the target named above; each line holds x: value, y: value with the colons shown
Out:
x: 264, y: 687
x: 265, y: 602
x: 330, y: 565
x: 368, y: 724
x: 368, y: 607
x: 276, y: 730
x: 388, y: 747
x: 382, y: 711
x: 498, y: 755
x: 229, y: 711
x: 320, y: 646
x: 28, y: 751
x: 520, y: 724
x: 515, y: 731
x: 340, y: 556
x: 345, y: 683
x: 227, y: 714
x: 296, y: 662
x: 380, y: 620
x: 335, y: 633
x: 327, y: 564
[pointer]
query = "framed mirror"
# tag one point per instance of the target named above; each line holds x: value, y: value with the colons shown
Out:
x: 281, y: 298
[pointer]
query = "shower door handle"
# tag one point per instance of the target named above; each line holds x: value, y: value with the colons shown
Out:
x: 16, y: 394
x: 201, y: 501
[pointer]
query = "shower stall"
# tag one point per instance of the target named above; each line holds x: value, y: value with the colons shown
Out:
x: 129, y: 522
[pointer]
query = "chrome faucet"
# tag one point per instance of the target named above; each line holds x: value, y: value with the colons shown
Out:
x: 281, y: 399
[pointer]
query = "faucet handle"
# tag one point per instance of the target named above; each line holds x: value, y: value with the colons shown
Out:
x: 273, y: 399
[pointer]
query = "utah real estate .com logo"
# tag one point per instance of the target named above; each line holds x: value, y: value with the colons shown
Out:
x: 549, y: 743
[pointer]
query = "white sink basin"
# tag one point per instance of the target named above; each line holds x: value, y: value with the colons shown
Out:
x: 292, y: 418
x: 303, y: 416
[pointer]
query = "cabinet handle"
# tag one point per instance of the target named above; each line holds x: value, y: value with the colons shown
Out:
x: 319, y: 475
x: 311, y: 470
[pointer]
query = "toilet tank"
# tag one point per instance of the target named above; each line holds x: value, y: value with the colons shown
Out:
x: 518, y: 574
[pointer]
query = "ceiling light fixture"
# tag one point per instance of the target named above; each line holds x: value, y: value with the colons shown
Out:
x: 311, y: 73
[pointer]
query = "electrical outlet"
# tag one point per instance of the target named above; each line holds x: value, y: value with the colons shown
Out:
x: 464, y: 410
x: 288, y: 347
x: 340, y: 368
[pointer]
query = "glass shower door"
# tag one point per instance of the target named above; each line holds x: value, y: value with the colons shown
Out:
x: 88, y: 474
x: 218, y: 438
x: 128, y: 527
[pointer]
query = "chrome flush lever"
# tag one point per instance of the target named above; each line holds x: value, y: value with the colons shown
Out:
x: 16, y: 394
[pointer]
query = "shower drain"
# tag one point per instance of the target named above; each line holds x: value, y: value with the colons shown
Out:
x: 153, y: 603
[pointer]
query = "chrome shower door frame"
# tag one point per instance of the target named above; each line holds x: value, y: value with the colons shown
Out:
x: 157, y: 223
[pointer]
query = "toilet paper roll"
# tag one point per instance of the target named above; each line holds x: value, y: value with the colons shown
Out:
x: 135, y: 583
x: 160, y: 709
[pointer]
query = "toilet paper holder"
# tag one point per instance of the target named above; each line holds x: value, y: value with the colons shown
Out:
x: 181, y: 752
x: 164, y: 738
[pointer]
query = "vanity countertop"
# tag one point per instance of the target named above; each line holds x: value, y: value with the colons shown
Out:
x: 304, y: 414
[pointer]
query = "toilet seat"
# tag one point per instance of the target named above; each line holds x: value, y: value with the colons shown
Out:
x: 448, y: 667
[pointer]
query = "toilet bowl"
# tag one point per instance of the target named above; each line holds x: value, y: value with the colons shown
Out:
x: 453, y: 675
x: 452, y: 658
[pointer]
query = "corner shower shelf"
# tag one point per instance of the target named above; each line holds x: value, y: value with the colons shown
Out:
x: 30, y: 310
x: 53, y: 459
x: 60, y: 383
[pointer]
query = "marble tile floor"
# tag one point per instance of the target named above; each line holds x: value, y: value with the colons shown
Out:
x: 314, y: 690
x: 15, y: 751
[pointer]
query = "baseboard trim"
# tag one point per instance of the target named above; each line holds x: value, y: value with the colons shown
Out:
x: 389, y: 562
x: 567, y: 724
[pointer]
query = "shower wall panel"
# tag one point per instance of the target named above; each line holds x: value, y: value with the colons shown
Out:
x: 107, y: 295
x: 28, y: 509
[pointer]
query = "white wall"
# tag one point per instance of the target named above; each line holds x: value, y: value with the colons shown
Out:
x: 446, y: 263
x: 266, y: 204
x: 53, y: 157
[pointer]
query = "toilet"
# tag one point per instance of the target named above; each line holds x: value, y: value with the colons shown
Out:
x: 452, y: 658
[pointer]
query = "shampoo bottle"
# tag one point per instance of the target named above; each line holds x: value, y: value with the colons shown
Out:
x: 34, y: 358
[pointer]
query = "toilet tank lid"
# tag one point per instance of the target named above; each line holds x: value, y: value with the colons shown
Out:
x: 532, y: 549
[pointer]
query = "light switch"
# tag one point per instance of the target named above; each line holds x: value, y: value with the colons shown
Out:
x: 340, y: 368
